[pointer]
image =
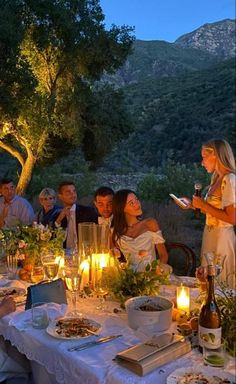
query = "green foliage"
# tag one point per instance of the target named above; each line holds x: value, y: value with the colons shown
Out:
x: 152, y: 59
x: 175, y: 115
x: 175, y: 178
x: 103, y: 129
x: 125, y: 282
x: 60, y: 50
x: 31, y: 239
x: 226, y: 301
x: 72, y: 167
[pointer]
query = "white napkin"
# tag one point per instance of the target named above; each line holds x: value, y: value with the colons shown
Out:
x: 22, y: 320
x: 13, y: 283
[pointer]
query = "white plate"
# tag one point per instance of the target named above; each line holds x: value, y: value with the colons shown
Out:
x: 11, y: 291
x: 213, y: 375
x: 52, y: 331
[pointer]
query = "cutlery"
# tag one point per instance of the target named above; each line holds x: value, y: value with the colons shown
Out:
x: 93, y: 343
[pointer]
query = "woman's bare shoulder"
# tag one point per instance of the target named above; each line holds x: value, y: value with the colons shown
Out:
x: 152, y: 224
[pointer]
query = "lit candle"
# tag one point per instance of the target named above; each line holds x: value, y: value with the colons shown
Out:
x: 183, y: 298
x: 99, y: 261
x: 84, y: 269
x: 61, y: 261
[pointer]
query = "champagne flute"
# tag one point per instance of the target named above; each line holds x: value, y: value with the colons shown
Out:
x: 100, y: 288
x: 72, y: 278
x: 50, y: 265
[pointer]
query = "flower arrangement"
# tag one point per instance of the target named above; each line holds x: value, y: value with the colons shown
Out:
x: 31, y: 240
x: 125, y: 282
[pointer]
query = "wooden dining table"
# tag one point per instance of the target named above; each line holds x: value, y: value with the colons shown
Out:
x: 53, y: 363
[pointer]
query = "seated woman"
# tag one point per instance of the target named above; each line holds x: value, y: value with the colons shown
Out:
x: 49, y: 211
x: 136, y: 238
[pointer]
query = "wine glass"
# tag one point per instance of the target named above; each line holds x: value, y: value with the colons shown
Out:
x: 101, y: 288
x: 72, y: 277
x: 11, y: 266
x: 217, y: 260
x: 50, y: 264
x: 37, y: 273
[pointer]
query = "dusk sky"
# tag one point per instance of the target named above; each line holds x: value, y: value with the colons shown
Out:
x: 165, y: 19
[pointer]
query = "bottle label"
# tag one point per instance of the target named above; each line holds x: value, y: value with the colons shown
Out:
x: 209, y: 337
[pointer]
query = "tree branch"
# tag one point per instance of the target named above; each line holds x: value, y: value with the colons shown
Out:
x: 13, y: 152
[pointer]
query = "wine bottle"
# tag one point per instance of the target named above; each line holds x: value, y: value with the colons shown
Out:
x: 209, y: 333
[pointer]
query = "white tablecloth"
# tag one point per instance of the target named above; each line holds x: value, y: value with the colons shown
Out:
x: 91, y: 366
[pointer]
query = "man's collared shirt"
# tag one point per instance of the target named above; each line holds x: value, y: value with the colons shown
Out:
x: 106, y: 221
x: 71, y: 237
x: 20, y: 211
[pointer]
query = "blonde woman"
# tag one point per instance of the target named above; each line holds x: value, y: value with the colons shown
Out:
x: 219, y: 206
x: 49, y: 211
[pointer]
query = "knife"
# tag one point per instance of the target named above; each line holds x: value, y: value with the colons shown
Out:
x: 93, y: 343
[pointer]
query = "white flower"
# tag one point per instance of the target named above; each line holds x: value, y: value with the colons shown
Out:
x: 22, y: 244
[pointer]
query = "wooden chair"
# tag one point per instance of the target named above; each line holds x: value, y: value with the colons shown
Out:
x: 182, y: 259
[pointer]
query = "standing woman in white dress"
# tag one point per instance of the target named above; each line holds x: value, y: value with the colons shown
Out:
x: 219, y: 206
x: 136, y: 238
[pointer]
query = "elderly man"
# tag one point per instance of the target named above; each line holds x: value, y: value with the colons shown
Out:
x: 103, y: 202
x: 72, y: 214
x: 14, y: 209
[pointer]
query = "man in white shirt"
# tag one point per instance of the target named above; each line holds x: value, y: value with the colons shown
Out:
x: 14, y: 209
x: 72, y: 214
x: 103, y: 202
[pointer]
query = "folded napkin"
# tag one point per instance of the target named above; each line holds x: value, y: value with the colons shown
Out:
x: 22, y: 320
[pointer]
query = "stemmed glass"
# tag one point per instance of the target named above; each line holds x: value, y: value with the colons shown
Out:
x: 101, y: 288
x: 37, y: 273
x: 72, y: 276
x: 11, y: 266
x: 50, y: 265
x: 217, y: 260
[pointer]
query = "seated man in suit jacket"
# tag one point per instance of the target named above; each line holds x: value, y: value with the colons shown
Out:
x: 72, y: 214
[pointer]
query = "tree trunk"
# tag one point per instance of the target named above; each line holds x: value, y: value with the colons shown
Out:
x: 26, y: 174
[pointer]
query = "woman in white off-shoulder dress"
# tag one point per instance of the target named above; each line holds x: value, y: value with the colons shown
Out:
x: 137, y: 239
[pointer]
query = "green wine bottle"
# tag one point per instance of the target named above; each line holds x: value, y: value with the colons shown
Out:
x: 209, y: 333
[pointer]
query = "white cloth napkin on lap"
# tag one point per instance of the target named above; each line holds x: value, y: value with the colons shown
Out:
x: 22, y: 320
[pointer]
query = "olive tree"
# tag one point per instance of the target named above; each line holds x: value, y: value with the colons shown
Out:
x: 52, y: 52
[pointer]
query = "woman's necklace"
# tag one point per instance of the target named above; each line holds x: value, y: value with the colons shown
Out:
x: 132, y: 225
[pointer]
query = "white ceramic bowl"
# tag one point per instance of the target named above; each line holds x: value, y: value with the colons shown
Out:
x: 159, y: 320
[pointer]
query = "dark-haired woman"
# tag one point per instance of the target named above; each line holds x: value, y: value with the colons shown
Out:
x: 137, y: 239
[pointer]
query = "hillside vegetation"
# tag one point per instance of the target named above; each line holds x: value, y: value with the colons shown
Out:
x: 174, y: 116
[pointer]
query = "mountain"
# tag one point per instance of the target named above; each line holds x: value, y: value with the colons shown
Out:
x: 215, y: 38
x: 159, y: 59
x: 174, y: 116
x: 154, y: 59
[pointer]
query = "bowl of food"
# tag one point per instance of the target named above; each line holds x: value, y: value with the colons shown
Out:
x: 149, y: 311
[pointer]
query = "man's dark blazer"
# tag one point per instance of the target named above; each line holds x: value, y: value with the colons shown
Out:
x: 83, y: 214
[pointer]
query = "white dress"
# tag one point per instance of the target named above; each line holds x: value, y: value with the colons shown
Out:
x: 131, y: 247
x: 219, y: 236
